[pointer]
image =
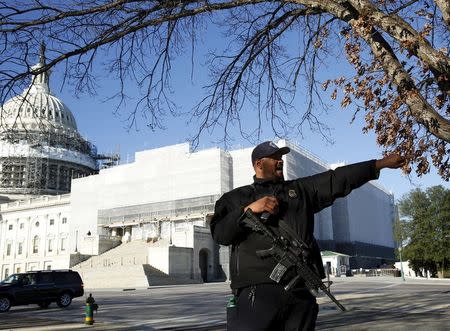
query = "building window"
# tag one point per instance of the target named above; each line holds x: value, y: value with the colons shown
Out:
x: 64, y: 220
x: 50, y: 245
x: 63, y: 244
x: 6, y: 272
x: 19, y: 249
x: 21, y: 226
x: 52, y: 222
x: 8, y: 249
x: 36, y: 244
x: 10, y: 227
x: 49, y: 267
x: 18, y: 270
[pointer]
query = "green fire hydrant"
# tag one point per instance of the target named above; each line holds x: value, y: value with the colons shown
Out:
x: 89, y: 310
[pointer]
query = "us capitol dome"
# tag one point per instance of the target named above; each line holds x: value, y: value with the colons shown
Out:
x: 40, y: 147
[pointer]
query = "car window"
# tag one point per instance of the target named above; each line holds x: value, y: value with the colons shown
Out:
x: 44, y: 278
x: 29, y: 279
x: 59, y: 277
x: 13, y: 279
x: 67, y: 278
x: 74, y: 277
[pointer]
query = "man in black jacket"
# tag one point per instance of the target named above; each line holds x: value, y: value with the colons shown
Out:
x: 263, y: 304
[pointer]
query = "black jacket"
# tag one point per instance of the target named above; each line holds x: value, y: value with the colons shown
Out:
x: 299, y: 200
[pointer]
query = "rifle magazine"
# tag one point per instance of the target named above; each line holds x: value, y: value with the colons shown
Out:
x: 278, y: 272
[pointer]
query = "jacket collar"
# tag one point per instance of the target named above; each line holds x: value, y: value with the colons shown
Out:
x: 262, y: 181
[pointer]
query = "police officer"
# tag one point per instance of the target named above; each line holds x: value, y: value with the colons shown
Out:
x: 261, y: 303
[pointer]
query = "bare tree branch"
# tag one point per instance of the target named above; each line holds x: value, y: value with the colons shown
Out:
x: 276, y: 49
x: 444, y: 6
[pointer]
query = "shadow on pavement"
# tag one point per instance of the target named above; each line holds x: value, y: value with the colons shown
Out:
x: 382, y: 320
x: 10, y: 320
x: 399, y: 311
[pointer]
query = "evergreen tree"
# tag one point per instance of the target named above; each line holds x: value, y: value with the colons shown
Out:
x: 424, y: 228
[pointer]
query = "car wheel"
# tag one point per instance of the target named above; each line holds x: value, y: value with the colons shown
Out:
x: 44, y: 304
x: 5, y: 304
x: 64, y: 300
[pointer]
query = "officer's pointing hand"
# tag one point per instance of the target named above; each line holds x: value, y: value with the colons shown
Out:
x: 266, y: 204
x: 392, y: 161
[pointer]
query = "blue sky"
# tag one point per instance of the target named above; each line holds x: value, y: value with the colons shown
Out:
x: 110, y: 133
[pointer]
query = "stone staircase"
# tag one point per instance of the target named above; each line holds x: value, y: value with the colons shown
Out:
x: 125, y: 266
x: 131, y: 253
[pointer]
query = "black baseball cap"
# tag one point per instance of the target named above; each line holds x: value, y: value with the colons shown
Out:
x: 266, y: 149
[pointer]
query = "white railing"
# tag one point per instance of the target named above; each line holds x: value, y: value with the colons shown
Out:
x: 376, y: 272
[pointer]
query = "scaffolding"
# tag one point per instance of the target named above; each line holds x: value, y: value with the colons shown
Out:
x: 27, y: 168
x: 51, y: 138
x: 181, y: 209
x: 35, y: 167
x: 107, y: 160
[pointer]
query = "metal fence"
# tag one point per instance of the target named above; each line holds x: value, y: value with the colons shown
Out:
x: 376, y: 272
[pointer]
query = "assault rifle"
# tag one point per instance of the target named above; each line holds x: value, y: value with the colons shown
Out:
x: 290, y: 254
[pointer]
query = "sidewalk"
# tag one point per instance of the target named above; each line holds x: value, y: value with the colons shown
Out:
x: 9, y: 322
x: 408, y: 280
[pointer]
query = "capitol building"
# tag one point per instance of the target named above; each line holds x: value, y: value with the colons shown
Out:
x: 40, y: 147
x: 61, y: 207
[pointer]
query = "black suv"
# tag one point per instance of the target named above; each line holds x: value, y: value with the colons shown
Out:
x: 40, y: 287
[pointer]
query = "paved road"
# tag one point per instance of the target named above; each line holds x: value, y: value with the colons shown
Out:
x: 372, y: 303
x: 389, y: 305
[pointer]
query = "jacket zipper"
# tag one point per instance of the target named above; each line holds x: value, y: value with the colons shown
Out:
x: 237, y: 259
